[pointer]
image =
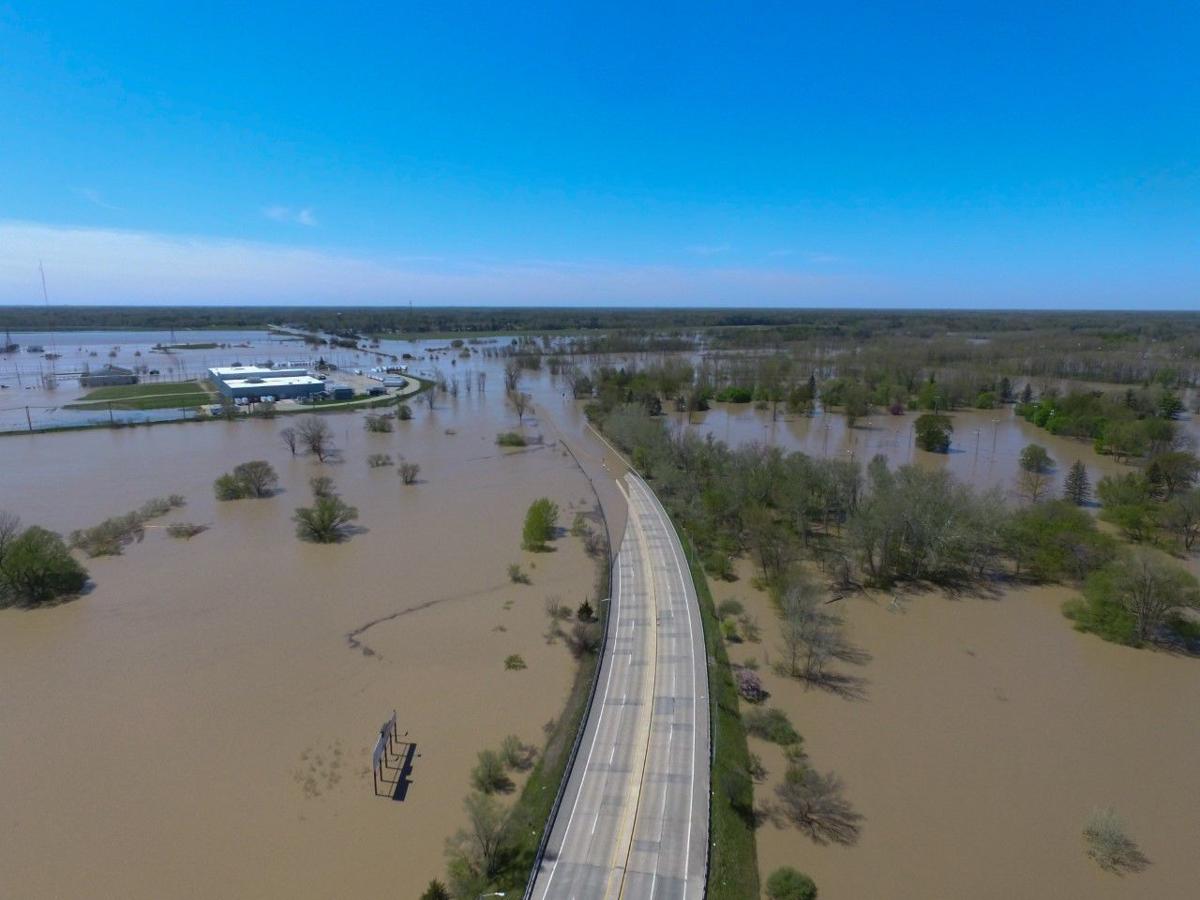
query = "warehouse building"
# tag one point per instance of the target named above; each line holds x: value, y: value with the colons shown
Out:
x: 255, y: 382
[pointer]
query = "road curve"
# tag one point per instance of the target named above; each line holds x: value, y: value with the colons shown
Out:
x: 633, y: 822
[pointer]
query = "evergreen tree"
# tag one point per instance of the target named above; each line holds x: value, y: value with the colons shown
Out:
x: 1027, y: 393
x: 1077, y: 488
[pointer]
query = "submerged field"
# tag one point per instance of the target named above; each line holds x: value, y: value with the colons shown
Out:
x: 203, y: 718
x: 978, y: 735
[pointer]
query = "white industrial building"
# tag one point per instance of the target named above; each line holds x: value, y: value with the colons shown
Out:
x: 256, y: 382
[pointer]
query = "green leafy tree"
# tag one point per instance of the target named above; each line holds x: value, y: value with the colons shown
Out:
x: 436, y: 891
x: 35, y: 565
x: 1034, y: 458
x: 327, y: 521
x: 540, y: 523
x: 1131, y: 599
x: 932, y: 432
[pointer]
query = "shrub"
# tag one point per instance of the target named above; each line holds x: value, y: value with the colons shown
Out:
x: 1109, y: 845
x: 36, y: 566
x: 749, y: 685
x: 729, y: 630
x: 585, y: 612
x: 403, y: 412
x: 770, y: 725
x: 579, y: 526
x: 185, y: 530
x: 511, y: 439
x: 729, y: 608
x: 585, y: 638
x: 378, y: 424
x: 516, y: 754
x: 540, y: 523
x: 322, y: 486
x: 489, y: 775
x: 327, y: 521
x: 788, y: 884
x: 514, y: 662
x: 111, y: 536
x: 379, y: 460
x: 408, y: 472
x: 435, y: 891
x: 516, y: 575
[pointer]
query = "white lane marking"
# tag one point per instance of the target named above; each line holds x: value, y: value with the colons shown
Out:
x: 600, y: 719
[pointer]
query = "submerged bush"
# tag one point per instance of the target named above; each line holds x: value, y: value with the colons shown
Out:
x: 111, y: 536
x: 787, y: 883
x: 511, y: 439
x: 35, y: 565
x: 378, y: 460
x: 770, y: 725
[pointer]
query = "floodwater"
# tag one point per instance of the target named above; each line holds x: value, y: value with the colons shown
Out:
x: 985, y: 450
x: 200, y: 724
x: 986, y: 733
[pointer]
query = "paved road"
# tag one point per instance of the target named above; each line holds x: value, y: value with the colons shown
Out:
x: 634, y: 817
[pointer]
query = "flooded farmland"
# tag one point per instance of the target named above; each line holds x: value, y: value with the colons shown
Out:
x: 984, y: 733
x: 201, y: 718
x: 219, y: 697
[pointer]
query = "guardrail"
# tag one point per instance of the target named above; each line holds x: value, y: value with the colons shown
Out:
x: 587, y: 710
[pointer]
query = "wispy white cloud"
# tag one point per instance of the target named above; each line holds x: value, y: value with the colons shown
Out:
x: 303, y: 216
x: 93, y: 265
x: 93, y: 196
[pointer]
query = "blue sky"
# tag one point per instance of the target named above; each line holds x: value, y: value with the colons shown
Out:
x: 1027, y: 155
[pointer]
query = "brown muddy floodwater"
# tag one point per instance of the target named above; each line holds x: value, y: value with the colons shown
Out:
x: 987, y: 732
x: 200, y: 725
x: 985, y: 450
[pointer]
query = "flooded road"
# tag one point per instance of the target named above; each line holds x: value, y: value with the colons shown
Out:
x: 200, y: 718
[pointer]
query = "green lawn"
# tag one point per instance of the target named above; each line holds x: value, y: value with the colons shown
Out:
x: 163, y: 395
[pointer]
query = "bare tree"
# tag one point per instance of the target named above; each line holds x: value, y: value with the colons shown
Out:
x: 427, y: 396
x: 315, y: 436
x: 408, y: 472
x: 1033, y: 485
x: 521, y: 403
x: 482, y: 377
x: 814, y: 803
x: 512, y: 375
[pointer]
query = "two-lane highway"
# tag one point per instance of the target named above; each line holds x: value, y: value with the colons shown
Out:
x: 634, y: 818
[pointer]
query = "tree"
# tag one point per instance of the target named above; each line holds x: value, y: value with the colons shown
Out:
x: 1034, y: 458
x: 540, y: 523
x: 1181, y: 517
x: 327, y: 521
x: 322, y: 486
x: 521, y: 403
x: 478, y: 851
x: 1027, y: 393
x: 408, y: 472
x: 289, y: 437
x: 257, y: 478
x: 35, y: 565
x: 435, y: 891
x: 1131, y: 599
x: 814, y: 802
x: 490, y: 775
x: 1076, y: 487
x: 933, y: 432
x: 1033, y: 485
x: 1172, y: 473
x: 787, y: 883
x: 315, y: 436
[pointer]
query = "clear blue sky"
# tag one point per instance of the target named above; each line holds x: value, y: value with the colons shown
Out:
x: 1009, y: 154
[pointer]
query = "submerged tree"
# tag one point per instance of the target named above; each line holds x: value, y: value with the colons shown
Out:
x: 814, y: 802
x: 541, y: 520
x: 327, y: 521
x: 35, y: 565
x: 932, y: 432
x: 315, y: 436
